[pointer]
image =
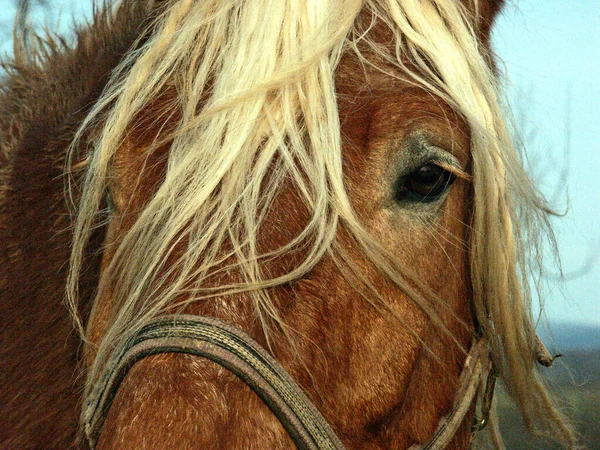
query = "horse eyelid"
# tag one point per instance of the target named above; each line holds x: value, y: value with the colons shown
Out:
x: 453, y: 169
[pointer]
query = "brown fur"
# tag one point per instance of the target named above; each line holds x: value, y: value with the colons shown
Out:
x: 379, y: 389
x: 377, y: 373
x: 41, y: 106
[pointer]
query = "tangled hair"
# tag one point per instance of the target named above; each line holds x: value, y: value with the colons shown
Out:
x: 256, y: 100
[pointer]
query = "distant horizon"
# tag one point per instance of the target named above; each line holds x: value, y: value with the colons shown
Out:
x: 569, y: 322
x: 561, y: 337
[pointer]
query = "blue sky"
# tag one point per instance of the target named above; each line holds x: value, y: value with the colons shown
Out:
x: 550, y: 51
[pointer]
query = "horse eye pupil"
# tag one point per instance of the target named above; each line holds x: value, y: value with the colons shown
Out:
x: 426, y: 184
x: 429, y: 174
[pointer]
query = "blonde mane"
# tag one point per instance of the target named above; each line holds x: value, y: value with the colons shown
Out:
x: 256, y: 100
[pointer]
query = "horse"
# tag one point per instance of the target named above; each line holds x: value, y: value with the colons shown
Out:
x: 330, y: 184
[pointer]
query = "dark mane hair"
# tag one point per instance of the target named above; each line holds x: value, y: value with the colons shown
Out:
x: 43, y: 98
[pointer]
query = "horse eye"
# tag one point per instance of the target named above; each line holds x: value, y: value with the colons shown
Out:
x: 426, y: 184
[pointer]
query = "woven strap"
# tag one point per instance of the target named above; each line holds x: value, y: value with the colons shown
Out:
x: 228, y: 347
x: 240, y: 354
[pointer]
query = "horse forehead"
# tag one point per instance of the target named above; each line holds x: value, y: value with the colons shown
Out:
x: 377, y: 110
x: 373, y: 107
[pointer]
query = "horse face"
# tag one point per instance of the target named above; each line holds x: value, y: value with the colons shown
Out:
x: 406, y: 163
x: 405, y: 154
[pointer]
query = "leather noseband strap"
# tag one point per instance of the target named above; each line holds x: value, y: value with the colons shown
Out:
x: 240, y: 354
x: 228, y: 347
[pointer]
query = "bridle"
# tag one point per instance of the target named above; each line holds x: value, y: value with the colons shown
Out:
x: 239, y: 353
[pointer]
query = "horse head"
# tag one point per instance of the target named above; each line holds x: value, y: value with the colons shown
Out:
x: 336, y: 180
